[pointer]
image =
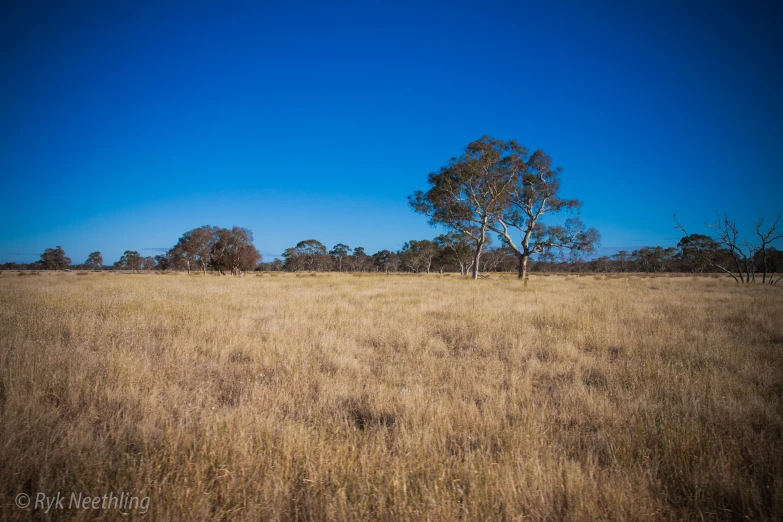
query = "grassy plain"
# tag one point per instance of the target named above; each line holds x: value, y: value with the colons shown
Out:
x: 359, y: 397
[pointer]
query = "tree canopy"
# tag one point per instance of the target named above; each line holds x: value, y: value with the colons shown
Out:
x: 55, y: 259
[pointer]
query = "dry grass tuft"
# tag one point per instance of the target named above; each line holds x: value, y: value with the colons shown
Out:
x: 339, y: 397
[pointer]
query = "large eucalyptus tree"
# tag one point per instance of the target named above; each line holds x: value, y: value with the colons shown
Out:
x: 496, y: 186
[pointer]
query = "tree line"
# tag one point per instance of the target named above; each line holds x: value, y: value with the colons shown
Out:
x: 494, y: 190
x: 198, y: 250
x: 220, y: 250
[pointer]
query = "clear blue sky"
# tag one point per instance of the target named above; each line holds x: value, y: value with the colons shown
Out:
x: 126, y: 123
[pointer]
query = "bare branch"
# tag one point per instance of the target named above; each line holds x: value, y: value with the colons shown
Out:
x: 701, y: 254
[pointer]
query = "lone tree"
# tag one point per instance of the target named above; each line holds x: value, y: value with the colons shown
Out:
x: 94, y: 261
x: 470, y: 192
x: 497, y: 186
x: 55, y: 259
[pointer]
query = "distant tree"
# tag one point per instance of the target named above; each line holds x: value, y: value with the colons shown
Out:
x: 654, y: 259
x: 55, y: 259
x: 774, y: 264
x: 130, y: 260
x: 623, y: 259
x: 195, y: 247
x: 149, y: 263
x: 417, y: 256
x: 602, y: 264
x: 689, y: 248
x: 163, y: 261
x: 94, y: 261
x: 359, y: 261
x: 306, y: 255
x: 768, y: 253
x: 470, y: 192
x: 274, y: 266
x: 501, y: 259
x: 183, y: 254
x: 249, y: 257
x: 386, y: 261
x: 233, y: 251
x: 292, y: 260
x: 455, y: 250
x: 171, y: 260
x: 339, y: 253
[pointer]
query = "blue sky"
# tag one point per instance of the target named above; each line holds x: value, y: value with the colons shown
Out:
x: 125, y: 124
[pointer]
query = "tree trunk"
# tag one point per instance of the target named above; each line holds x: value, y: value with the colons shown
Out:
x: 479, y: 246
x: 476, y: 258
x: 522, y: 266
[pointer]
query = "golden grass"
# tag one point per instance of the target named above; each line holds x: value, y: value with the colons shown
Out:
x: 343, y: 397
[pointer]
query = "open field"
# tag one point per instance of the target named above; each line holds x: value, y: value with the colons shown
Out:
x: 340, y: 397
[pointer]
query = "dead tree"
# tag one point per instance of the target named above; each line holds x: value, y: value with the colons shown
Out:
x: 767, y: 238
x: 742, y: 256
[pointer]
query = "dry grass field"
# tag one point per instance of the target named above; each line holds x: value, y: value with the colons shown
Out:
x: 343, y: 397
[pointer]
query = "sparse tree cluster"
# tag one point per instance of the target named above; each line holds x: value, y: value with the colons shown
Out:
x: 226, y: 251
x: 215, y: 249
x: 682, y: 259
